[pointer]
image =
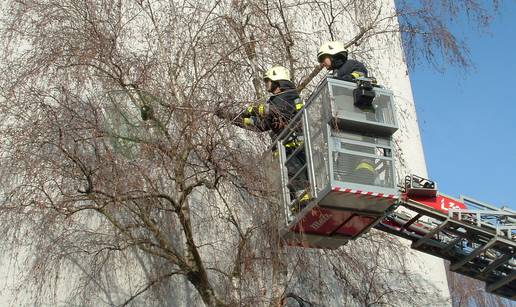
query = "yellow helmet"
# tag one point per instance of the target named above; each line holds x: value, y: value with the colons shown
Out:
x: 330, y: 48
x: 277, y: 73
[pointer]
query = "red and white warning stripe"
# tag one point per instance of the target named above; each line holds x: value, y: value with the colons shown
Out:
x: 365, y: 194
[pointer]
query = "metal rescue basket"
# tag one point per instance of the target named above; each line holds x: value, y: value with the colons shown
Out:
x: 349, y: 165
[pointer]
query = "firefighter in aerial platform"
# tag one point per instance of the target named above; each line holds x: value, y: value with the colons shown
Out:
x: 333, y: 56
x: 274, y: 115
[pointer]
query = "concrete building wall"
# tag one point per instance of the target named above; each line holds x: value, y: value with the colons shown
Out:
x: 393, y: 73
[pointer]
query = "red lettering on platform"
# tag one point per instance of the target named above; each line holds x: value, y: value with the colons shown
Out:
x: 441, y: 202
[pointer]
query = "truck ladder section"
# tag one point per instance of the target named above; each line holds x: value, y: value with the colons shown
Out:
x: 478, y: 239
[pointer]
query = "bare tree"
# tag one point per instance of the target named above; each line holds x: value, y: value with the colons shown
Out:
x: 122, y: 188
x: 466, y: 291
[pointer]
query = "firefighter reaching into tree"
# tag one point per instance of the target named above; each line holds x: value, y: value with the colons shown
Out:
x: 274, y: 115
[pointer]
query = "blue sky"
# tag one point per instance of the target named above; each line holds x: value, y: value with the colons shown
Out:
x: 468, y: 118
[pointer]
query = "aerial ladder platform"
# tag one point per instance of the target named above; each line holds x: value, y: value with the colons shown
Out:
x: 340, y: 181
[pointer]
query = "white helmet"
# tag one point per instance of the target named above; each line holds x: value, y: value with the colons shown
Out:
x: 330, y: 48
x: 277, y: 73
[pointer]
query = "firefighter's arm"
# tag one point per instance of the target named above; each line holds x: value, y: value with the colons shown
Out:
x: 242, y: 119
x: 250, y: 123
x: 259, y: 110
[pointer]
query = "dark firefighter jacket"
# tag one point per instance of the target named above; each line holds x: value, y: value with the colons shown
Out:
x: 343, y: 68
x: 277, y: 112
x: 281, y: 109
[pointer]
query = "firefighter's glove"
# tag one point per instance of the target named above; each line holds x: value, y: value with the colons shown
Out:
x: 249, y: 111
x: 260, y: 110
x: 248, y: 121
x: 357, y: 74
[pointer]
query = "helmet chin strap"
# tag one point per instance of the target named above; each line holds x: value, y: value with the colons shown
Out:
x: 332, y: 63
x: 337, y: 61
x: 274, y: 86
